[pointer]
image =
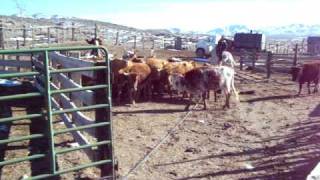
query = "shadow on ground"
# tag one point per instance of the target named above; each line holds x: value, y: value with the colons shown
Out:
x: 293, y: 157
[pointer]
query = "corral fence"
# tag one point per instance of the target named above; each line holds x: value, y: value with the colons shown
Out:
x: 68, y: 87
x: 28, y: 36
x: 271, y: 62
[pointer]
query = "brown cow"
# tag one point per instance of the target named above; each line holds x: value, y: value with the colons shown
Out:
x: 156, y: 65
x: 307, y: 73
x: 135, y: 77
x: 116, y: 65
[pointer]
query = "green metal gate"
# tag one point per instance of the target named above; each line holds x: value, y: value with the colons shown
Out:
x: 105, y: 143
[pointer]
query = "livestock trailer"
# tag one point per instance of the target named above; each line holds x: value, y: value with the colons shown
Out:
x: 249, y: 41
x: 313, y: 46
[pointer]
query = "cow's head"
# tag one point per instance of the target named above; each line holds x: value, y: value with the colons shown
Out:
x: 295, y: 72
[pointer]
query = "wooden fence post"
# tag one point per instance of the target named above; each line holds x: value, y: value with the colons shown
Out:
x: 103, y: 115
x: 24, y: 35
x: 143, y: 43
x: 117, y: 38
x: 134, y: 41
x: 268, y: 64
x: 48, y: 33
x: 57, y: 34
x: 17, y: 56
x: 295, y: 58
x: 32, y: 36
x: 277, y: 48
x: 62, y: 38
x: 1, y: 37
x: 72, y: 32
x: 152, y: 44
x: 96, y: 31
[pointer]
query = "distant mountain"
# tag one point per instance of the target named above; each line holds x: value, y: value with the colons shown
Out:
x: 288, y: 30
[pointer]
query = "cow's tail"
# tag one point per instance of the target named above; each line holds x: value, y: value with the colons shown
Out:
x: 234, y: 89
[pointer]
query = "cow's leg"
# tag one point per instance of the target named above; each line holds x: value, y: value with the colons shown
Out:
x: 227, y: 94
x: 170, y: 92
x: 309, y: 91
x: 149, y: 93
x: 131, y: 99
x: 300, y: 88
x: 227, y: 104
x: 204, y: 96
x: 208, y: 94
x: 118, y: 93
x: 187, y: 106
x: 215, y: 96
x: 184, y: 94
x: 316, y: 82
x: 189, y: 103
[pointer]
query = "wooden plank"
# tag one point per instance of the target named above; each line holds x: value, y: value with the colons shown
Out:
x: 76, y: 77
x: 71, y: 62
x: 78, y: 117
x: 15, y: 63
x: 79, y: 138
x: 83, y: 120
x: 87, y: 97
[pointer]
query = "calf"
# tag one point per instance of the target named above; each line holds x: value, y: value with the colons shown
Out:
x: 200, y: 80
x: 307, y: 73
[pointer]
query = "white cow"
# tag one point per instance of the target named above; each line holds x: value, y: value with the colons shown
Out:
x: 227, y: 59
x: 199, y: 81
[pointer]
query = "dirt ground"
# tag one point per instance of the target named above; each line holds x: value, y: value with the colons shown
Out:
x: 267, y: 135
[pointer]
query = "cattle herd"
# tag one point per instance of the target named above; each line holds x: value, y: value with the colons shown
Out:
x: 138, y: 77
x: 135, y: 78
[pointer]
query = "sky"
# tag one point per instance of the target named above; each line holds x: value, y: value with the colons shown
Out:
x: 195, y: 15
